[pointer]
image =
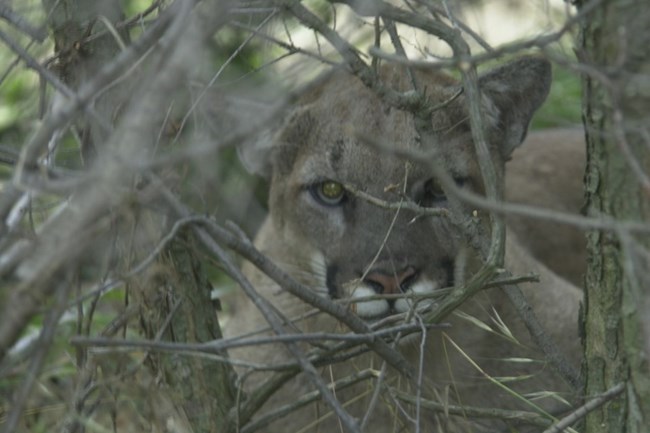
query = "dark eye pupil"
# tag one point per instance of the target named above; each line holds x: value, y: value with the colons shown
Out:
x: 433, y: 190
x: 431, y: 194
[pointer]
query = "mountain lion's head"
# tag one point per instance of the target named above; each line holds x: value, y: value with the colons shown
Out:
x: 333, y: 144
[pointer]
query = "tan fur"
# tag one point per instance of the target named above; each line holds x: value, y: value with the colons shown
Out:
x: 327, y: 247
x: 547, y: 172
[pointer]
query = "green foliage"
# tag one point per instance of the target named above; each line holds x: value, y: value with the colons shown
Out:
x: 133, y: 7
x: 563, y: 105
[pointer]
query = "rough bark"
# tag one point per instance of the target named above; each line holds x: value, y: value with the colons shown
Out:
x: 83, y: 43
x: 176, y: 307
x: 616, y: 52
x: 174, y: 296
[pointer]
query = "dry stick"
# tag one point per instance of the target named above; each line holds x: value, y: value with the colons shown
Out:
x: 289, y: 47
x: 459, y: 24
x: 409, y: 315
x: 230, y: 343
x: 46, y: 337
x: 374, y: 398
x: 399, y: 49
x: 556, y: 358
x: 83, y: 98
x: 493, y: 254
x: 305, y: 399
x: 516, y: 47
x: 31, y: 292
x: 499, y: 206
x: 406, y: 203
x: 473, y: 412
x: 38, y: 34
x: 496, y: 247
x: 250, y: 253
x: 271, y: 317
x: 32, y: 63
x: 583, y: 410
x: 410, y: 101
x: 216, y: 76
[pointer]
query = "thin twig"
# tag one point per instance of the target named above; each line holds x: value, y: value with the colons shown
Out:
x: 405, y: 204
x: 503, y: 207
x: 495, y: 53
x: 218, y: 346
x: 473, y: 412
x: 248, y: 251
x: 302, y: 401
x: 276, y: 323
x: 35, y: 287
x: 552, y: 353
x: 583, y: 410
x: 173, y: 232
x: 351, y: 56
x: 50, y: 77
x: 6, y: 13
x: 48, y: 331
x: 399, y: 49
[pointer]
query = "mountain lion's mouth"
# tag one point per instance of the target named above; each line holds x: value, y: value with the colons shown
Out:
x: 381, y: 294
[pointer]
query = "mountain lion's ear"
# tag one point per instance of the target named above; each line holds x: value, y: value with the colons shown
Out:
x: 275, y: 148
x: 516, y: 89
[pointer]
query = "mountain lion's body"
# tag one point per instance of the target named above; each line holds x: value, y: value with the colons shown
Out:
x: 346, y: 248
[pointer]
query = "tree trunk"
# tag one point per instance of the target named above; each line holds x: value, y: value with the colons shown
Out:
x: 175, y: 299
x: 174, y: 295
x: 616, y: 54
x: 73, y: 22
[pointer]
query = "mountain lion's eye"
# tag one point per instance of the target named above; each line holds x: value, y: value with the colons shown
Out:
x: 328, y: 192
x: 431, y: 194
x: 434, y: 196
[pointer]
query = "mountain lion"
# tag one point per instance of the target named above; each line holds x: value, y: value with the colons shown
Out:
x: 378, y: 260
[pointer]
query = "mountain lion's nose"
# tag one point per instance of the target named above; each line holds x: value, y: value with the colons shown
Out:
x: 390, y: 283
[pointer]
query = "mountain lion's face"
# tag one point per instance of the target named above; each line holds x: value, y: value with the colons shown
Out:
x: 347, y: 248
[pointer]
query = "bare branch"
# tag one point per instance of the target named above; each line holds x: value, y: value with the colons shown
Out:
x: 304, y: 400
x: 6, y: 13
x: 583, y: 410
x: 474, y: 412
x: 555, y: 357
x: 271, y: 316
x: 38, y: 358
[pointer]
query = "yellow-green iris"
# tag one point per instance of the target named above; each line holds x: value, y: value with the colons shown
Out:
x: 331, y: 190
